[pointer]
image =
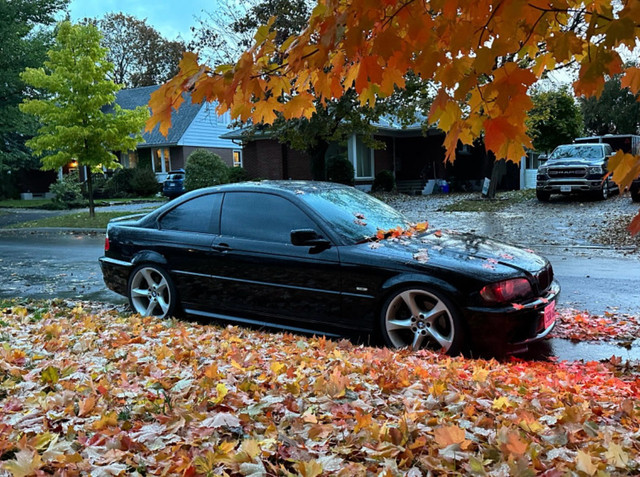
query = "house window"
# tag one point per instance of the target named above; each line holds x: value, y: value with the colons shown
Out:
x: 362, y: 158
x: 161, y: 160
x: 237, y: 158
x: 133, y: 159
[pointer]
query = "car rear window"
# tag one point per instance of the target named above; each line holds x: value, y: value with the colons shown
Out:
x: 196, y: 215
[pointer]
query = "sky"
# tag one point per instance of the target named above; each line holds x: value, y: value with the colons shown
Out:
x: 170, y: 17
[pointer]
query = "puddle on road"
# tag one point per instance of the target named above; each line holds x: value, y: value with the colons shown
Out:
x: 567, y: 350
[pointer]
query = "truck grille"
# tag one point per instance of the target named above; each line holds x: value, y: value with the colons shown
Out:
x: 568, y: 172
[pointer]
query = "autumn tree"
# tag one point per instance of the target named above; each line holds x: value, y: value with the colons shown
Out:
x: 140, y: 54
x: 616, y: 111
x: 484, y: 56
x: 73, y: 124
x: 554, y: 119
x: 23, y: 43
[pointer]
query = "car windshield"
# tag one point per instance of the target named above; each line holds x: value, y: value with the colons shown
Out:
x: 577, y: 151
x: 352, y: 214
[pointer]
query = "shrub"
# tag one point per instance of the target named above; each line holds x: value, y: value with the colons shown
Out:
x: 204, y: 169
x: 119, y: 184
x: 68, y: 193
x: 340, y: 169
x: 99, y: 182
x: 238, y: 174
x: 144, y: 182
x: 384, y: 182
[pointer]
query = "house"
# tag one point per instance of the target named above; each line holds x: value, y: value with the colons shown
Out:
x: 415, y: 155
x: 193, y: 126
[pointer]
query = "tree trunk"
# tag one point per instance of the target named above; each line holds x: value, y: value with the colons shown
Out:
x: 318, y: 164
x: 92, y: 210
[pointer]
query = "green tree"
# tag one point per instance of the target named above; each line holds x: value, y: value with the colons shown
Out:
x: 554, y: 119
x: 24, y: 40
x: 73, y: 124
x: 140, y: 54
x: 616, y: 111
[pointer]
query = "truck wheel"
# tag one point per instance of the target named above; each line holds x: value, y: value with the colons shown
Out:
x: 543, y: 196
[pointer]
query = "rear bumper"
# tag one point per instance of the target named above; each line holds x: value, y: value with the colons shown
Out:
x: 510, y: 329
x: 115, y: 274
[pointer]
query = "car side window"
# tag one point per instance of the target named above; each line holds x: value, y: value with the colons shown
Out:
x: 259, y: 216
x: 196, y: 215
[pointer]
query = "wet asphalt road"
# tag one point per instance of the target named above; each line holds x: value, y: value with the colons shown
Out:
x: 66, y: 265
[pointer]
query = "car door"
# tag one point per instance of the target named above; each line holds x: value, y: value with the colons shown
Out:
x: 263, y: 274
x: 185, y: 238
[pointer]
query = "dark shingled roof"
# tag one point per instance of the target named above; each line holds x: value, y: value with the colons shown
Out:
x: 180, y: 120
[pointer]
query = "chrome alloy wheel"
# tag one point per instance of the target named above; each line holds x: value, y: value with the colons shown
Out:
x: 419, y: 319
x: 150, y: 292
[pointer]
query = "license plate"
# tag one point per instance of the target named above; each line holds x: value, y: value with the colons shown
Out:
x: 565, y: 188
x: 549, y: 314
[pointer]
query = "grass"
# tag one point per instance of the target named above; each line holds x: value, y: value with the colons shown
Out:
x: 24, y: 204
x: 481, y: 204
x: 77, y: 220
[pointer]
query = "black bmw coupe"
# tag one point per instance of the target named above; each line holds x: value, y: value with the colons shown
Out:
x: 322, y: 257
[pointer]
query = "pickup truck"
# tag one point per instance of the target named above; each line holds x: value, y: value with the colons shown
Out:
x: 573, y: 168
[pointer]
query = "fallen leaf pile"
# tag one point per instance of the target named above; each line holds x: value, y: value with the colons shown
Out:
x: 87, y: 390
x: 582, y: 326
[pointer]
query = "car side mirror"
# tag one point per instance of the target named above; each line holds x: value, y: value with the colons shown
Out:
x: 308, y: 238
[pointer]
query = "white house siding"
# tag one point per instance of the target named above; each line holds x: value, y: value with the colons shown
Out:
x: 206, y: 128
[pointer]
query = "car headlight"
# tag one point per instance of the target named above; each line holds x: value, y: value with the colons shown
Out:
x: 595, y: 170
x: 506, y: 291
x: 543, y: 170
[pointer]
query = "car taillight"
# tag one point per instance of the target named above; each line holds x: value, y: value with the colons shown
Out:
x: 506, y: 291
x: 106, y: 243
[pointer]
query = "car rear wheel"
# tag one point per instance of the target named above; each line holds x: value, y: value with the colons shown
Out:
x: 543, y: 196
x: 151, y: 291
x: 420, y: 318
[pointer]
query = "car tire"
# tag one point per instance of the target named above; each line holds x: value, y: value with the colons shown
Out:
x: 543, y: 196
x: 151, y: 291
x: 603, y: 193
x: 421, y: 318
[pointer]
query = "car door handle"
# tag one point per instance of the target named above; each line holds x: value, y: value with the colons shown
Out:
x: 221, y: 247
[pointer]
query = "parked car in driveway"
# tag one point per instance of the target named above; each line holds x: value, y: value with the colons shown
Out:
x: 323, y: 257
x: 573, y: 168
x: 173, y: 185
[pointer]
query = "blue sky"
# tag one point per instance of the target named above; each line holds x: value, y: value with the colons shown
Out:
x: 171, y: 18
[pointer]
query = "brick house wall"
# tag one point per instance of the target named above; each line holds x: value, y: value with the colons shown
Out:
x: 268, y: 159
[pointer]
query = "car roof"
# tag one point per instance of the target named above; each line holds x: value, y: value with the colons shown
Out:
x: 293, y: 187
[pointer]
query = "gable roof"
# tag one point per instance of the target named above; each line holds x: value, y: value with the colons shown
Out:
x: 180, y: 119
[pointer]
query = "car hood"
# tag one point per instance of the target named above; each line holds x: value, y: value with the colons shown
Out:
x: 573, y: 161
x: 465, y: 253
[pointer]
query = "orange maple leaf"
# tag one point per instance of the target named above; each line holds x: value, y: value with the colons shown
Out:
x: 446, y: 436
x: 631, y: 80
x: 625, y: 168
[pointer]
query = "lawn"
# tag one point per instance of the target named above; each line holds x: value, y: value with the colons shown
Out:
x: 24, y: 204
x: 87, y: 389
x: 77, y: 220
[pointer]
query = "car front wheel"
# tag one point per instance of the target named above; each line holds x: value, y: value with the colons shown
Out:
x: 420, y: 318
x: 151, y: 291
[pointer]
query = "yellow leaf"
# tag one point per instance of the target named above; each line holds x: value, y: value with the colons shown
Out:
x: 616, y: 456
x: 311, y: 468
x: 221, y: 391
x: 50, y: 375
x: 501, y: 403
x: 299, y: 106
x: 264, y: 111
x: 26, y: 463
x: 108, y: 420
x: 480, y: 375
x: 584, y: 464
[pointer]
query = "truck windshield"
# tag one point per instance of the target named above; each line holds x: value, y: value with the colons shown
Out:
x: 577, y: 151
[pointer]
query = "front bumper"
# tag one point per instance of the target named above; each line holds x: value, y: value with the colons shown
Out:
x: 115, y: 274
x: 510, y: 329
x: 565, y: 186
